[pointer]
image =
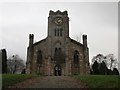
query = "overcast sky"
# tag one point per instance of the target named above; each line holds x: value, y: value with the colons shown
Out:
x: 98, y: 20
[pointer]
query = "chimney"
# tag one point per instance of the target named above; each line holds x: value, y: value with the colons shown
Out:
x: 85, y: 40
x: 31, y: 39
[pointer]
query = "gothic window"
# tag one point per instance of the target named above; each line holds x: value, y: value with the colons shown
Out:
x: 76, y: 57
x: 58, y: 56
x: 39, y: 57
x: 55, y: 49
x: 59, y: 49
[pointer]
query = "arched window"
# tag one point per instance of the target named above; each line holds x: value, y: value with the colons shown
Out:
x: 59, y: 49
x: 76, y: 63
x: 76, y: 57
x: 55, y: 49
x: 39, y: 57
x: 58, y: 55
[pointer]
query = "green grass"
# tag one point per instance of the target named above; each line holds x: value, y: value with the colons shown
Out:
x: 0, y: 81
x: 10, y: 79
x: 99, y: 81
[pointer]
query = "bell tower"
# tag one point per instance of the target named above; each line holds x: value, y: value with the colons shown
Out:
x: 58, y: 24
x: 58, y: 32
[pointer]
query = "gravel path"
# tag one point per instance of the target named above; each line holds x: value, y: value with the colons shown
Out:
x: 58, y: 82
x: 51, y: 82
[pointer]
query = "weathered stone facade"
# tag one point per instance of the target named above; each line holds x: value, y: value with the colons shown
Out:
x: 58, y: 54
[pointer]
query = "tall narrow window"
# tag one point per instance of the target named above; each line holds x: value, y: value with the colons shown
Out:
x: 39, y: 57
x: 76, y: 57
x: 60, y: 31
x: 76, y: 63
x: 55, y: 32
x: 55, y: 49
x: 58, y: 56
x: 59, y: 49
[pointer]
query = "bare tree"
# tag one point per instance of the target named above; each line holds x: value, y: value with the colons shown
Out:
x: 111, y: 61
x: 105, y: 64
x: 99, y: 58
x: 15, y: 64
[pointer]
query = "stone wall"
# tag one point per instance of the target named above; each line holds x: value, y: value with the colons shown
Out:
x: 47, y: 68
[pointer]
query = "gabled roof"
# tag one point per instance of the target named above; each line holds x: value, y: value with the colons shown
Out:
x: 43, y: 40
x: 72, y: 40
x: 36, y: 43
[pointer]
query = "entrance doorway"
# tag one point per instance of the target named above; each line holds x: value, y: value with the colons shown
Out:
x: 57, y: 70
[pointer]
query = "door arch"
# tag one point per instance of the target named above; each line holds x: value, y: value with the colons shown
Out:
x: 57, y: 70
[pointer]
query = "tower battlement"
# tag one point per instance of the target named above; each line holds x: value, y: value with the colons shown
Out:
x: 58, y: 12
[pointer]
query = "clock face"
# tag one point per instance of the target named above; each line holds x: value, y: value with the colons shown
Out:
x: 58, y: 20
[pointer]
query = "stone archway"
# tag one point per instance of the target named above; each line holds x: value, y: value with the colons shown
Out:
x: 57, y: 70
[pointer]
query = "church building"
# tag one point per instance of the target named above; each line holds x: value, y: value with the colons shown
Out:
x: 58, y: 54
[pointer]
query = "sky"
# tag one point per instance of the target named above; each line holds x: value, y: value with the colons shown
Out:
x: 99, y: 20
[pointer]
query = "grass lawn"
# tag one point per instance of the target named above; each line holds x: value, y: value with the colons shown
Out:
x: 10, y: 79
x: 0, y: 81
x: 99, y: 81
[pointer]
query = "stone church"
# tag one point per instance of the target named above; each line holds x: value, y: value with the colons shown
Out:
x: 57, y: 54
